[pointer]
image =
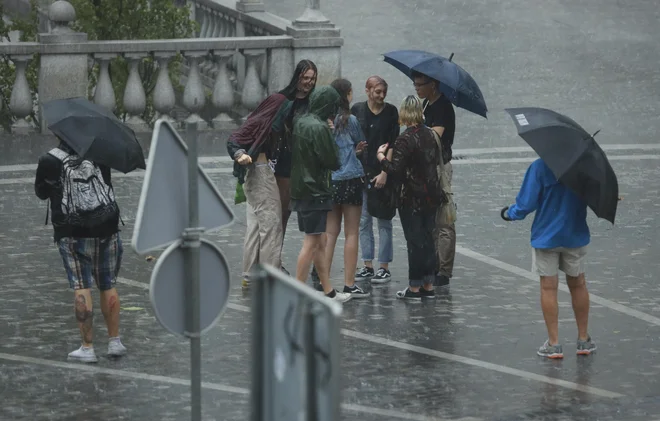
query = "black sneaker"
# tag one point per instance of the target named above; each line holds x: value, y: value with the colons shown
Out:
x: 426, y: 293
x: 318, y: 286
x: 407, y: 294
x: 364, y: 274
x: 382, y: 276
x: 356, y: 292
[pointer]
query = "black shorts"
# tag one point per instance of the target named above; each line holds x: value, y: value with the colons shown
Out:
x: 348, y: 192
x: 312, y: 221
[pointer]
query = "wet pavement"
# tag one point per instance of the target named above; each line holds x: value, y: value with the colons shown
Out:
x: 468, y: 355
x: 471, y: 354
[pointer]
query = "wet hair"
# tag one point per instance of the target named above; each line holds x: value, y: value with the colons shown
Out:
x: 343, y: 88
x: 411, y: 111
x: 292, y: 88
x: 416, y: 75
x: 375, y: 81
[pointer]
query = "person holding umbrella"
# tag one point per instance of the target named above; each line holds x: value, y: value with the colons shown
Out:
x: 439, y: 115
x: 571, y: 174
x: 76, y: 178
x: 441, y: 83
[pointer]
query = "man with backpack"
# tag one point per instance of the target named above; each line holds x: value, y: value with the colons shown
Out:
x: 85, y: 219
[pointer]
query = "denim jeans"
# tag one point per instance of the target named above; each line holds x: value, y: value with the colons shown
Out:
x: 418, y: 227
x: 367, y: 242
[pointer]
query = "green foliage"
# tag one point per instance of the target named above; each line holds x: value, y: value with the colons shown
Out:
x: 112, y: 20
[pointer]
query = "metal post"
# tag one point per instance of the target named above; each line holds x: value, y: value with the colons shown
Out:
x: 191, y: 241
x: 310, y: 358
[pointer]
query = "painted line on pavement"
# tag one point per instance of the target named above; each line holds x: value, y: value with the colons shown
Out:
x: 467, y: 151
x: 519, y: 149
x: 207, y: 385
x: 532, y: 277
x: 469, y: 161
x: 439, y: 354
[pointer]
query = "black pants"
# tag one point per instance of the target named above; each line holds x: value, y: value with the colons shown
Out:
x: 418, y: 227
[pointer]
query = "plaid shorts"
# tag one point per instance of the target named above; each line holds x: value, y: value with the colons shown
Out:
x: 87, y: 259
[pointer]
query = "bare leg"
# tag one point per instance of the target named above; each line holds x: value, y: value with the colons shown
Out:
x: 321, y: 266
x: 332, y: 230
x: 110, y: 310
x: 352, y: 234
x: 580, y: 299
x: 84, y: 315
x: 311, y: 244
x: 549, y: 285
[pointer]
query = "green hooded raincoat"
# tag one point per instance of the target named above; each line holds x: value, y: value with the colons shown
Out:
x: 315, y: 153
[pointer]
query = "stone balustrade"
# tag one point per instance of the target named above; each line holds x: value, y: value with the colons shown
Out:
x: 217, y: 51
x: 241, y: 55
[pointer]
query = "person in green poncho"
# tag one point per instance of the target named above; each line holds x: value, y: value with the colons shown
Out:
x: 314, y: 156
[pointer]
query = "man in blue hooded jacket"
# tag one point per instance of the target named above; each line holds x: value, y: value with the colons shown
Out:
x: 559, y: 239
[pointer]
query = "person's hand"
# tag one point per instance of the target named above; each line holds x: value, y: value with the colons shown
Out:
x: 383, y: 148
x: 504, y: 214
x: 380, y: 180
x: 360, y: 147
x: 331, y: 124
x: 244, y: 159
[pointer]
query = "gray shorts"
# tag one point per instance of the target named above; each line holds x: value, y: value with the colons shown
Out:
x: 548, y: 262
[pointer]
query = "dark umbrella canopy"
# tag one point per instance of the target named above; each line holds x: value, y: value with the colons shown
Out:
x: 94, y: 133
x: 455, y: 83
x: 573, y: 156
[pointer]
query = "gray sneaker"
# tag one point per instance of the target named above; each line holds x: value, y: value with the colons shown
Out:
x: 551, y: 351
x: 585, y: 347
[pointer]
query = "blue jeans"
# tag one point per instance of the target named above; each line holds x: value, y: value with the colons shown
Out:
x: 367, y: 242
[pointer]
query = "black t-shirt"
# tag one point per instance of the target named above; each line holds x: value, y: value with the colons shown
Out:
x: 378, y: 129
x: 441, y: 113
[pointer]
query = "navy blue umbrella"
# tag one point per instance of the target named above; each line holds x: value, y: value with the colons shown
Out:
x: 455, y: 83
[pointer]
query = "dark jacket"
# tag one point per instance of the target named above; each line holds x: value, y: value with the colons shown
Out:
x: 271, y: 146
x: 47, y: 186
x: 315, y: 153
x: 415, y: 160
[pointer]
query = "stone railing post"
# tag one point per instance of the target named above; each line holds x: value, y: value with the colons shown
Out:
x: 249, y: 6
x: 61, y: 75
x: 316, y: 38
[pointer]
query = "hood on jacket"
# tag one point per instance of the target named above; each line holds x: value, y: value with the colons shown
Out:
x: 323, y: 102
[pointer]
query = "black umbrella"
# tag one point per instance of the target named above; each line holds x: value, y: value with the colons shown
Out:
x: 573, y: 156
x: 94, y: 133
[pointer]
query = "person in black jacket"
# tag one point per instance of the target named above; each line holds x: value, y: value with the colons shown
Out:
x: 91, y: 250
x: 380, y: 124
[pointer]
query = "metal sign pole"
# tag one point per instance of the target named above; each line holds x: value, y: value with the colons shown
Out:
x: 191, y: 242
x: 310, y: 358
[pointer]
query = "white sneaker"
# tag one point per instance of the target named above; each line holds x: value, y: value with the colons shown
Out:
x: 116, y: 348
x: 83, y: 354
x: 341, y: 297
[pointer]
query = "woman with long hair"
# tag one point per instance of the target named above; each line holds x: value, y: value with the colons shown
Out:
x: 297, y: 93
x: 347, y: 183
x: 252, y: 146
x: 416, y: 157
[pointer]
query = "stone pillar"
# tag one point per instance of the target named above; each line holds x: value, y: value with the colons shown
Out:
x: 249, y: 6
x: 316, y: 38
x: 61, y: 75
